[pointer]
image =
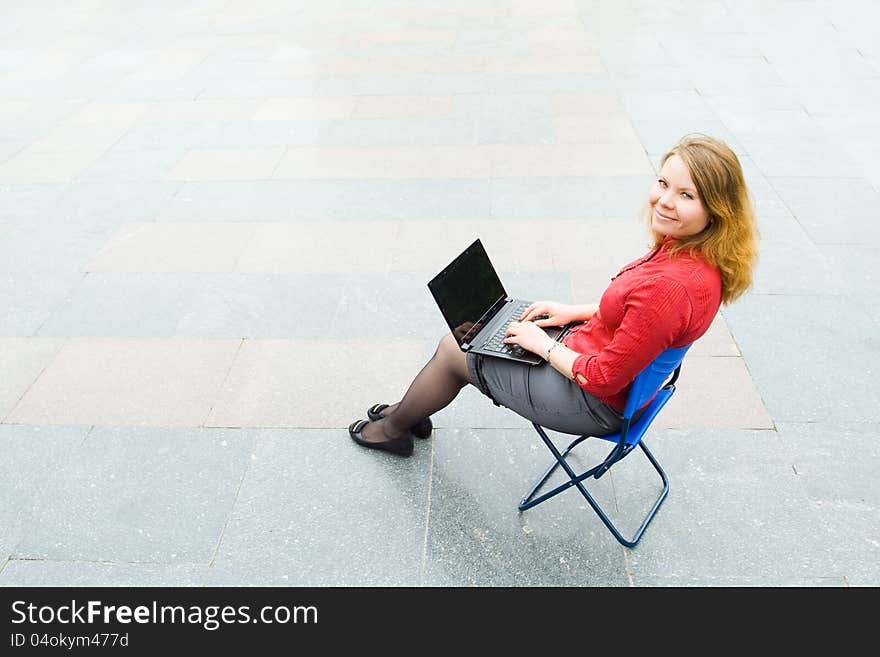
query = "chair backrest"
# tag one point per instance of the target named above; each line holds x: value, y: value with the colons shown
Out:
x: 651, y: 378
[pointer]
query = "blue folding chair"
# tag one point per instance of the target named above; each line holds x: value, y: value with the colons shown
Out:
x: 630, y: 435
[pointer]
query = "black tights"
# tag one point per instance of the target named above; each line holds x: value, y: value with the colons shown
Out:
x: 434, y: 388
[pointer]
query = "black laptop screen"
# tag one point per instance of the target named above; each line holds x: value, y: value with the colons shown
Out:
x: 466, y: 290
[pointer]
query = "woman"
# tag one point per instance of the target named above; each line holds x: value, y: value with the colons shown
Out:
x: 705, y: 246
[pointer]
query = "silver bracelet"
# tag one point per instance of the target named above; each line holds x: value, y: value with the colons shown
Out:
x: 551, y: 348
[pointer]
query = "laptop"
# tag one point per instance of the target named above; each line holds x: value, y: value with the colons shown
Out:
x: 478, y: 309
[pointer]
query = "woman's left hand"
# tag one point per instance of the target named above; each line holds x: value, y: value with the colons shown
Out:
x: 529, y: 337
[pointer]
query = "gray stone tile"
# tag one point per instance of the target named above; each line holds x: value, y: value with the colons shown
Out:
x: 767, y: 202
x: 837, y: 464
x: 28, y: 199
x: 166, y: 136
x: 9, y: 148
x: 40, y: 572
x: 265, y: 305
x: 798, y: 350
x: 402, y: 132
x: 660, y: 135
x: 129, y: 305
x: 315, y: 509
x: 97, y: 204
x: 677, y: 105
x: 28, y: 299
x: 774, y: 273
x: 569, y: 198
x: 263, y: 134
x: 140, y: 495
x: 34, y: 247
x: 21, y: 361
x: 741, y: 581
x: 130, y: 89
x: 736, y: 509
x: 32, y: 457
x: 857, y: 268
x: 477, y: 537
x: 130, y: 166
x: 225, y: 89
x: 314, y: 200
x: 277, y: 383
x: 807, y: 157
x: 833, y: 210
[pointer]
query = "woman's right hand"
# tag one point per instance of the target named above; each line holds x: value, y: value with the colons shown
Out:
x: 557, y: 314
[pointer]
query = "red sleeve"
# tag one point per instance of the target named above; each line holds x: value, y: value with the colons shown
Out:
x: 655, y: 314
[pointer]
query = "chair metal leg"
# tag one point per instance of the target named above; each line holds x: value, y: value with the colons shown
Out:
x: 575, y: 480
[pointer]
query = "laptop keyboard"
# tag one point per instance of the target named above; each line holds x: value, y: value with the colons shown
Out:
x: 496, y: 342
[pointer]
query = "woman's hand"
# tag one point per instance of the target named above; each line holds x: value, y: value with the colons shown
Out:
x: 528, y: 336
x: 557, y: 314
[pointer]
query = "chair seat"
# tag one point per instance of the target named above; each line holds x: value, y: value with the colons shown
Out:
x: 638, y: 428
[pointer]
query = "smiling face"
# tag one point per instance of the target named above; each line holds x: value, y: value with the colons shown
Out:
x: 676, y: 208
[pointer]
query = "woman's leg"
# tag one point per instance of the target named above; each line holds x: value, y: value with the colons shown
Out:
x: 434, y: 388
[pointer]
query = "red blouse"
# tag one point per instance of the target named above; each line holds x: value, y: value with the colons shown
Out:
x: 653, y: 303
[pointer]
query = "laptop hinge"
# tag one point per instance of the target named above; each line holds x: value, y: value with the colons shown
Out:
x: 479, y: 325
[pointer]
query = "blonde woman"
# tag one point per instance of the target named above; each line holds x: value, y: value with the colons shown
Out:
x: 705, y: 241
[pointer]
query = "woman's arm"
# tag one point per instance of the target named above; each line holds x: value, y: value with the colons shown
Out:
x: 558, y: 314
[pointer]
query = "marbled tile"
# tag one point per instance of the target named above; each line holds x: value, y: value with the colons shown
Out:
x: 811, y: 357
x: 299, y: 521
x: 774, y: 274
x: 168, y: 64
x: 856, y: 268
x: 42, y: 572
x: 564, y: 160
x: 332, y: 246
x: 221, y: 164
x: 28, y: 200
x: 325, y: 200
x: 21, y: 361
x: 166, y: 136
x: 832, y: 210
x: 138, y: 494
x: 30, y: 166
x: 717, y: 341
x: 715, y: 392
x: 162, y: 247
x: 132, y: 166
x: 803, y: 157
x: 278, y: 383
x: 32, y: 457
x: 201, y: 110
x: 735, y: 509
x: 570, y: 197
x: 29, y: 299
x: 89, y: 204
x: 476, y: 535
x: 13, y: 109
x: 133, y: 382
x: 375, y: 162
x: 550, y: 64
x: 355, y: 107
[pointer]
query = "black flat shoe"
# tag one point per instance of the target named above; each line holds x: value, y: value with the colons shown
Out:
x: 402, y: 446
x: 422, y: 429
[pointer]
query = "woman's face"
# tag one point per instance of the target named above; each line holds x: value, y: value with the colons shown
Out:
x: 676, y: 209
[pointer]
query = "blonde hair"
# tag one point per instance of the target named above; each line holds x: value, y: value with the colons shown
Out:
x: 730, y: 241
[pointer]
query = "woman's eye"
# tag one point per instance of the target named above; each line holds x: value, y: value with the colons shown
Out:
x: 661, y: 182
x: 686, y: 195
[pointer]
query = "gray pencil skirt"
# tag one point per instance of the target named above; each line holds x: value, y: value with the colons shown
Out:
x: 541, y: 394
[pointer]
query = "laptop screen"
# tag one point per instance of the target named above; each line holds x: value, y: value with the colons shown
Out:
x: 466, y: 290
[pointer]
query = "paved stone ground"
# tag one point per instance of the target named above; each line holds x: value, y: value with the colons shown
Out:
x: 217, y: 219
